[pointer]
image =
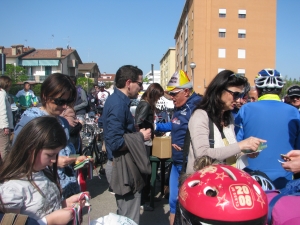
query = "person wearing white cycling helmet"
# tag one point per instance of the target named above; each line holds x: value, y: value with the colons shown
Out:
x: 270, y: 119
x: 102, y: 96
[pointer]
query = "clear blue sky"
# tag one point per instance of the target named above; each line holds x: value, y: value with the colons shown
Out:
x: 113, y: 33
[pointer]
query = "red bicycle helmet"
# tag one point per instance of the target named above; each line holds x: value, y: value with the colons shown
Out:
x: 222, y: 194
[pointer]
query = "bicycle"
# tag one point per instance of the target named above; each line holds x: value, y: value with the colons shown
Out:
x: 92, y: 140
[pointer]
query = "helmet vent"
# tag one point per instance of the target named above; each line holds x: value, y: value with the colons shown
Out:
x: 209, y: 191
x: 257, y: 189
x: 193, y: 183
x: 229, y: 173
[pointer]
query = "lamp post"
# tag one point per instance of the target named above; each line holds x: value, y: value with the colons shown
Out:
x: 192, y: 66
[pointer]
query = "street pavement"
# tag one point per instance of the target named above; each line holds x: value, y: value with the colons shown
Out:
x: 103, y: 202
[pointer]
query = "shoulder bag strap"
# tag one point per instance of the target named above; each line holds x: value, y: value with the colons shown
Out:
x: 211, y: 137
x: 8, y: 219
x: 21, y: 219
x: 186, y: 149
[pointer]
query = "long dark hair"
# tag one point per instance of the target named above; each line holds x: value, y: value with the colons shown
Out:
x: 152, y: 94
x: 211, y: 101
x: 57, y: 84
x: 43, y: 132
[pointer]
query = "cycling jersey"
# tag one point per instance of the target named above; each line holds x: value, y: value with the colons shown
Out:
x: 26, y: 98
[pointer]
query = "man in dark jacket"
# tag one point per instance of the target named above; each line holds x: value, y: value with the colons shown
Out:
x: 117, y: 121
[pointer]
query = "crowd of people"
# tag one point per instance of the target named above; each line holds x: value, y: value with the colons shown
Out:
x: 219, y: 140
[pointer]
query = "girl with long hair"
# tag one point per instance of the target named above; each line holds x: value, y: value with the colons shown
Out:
x: 216, y: 105
x: 29, y: 183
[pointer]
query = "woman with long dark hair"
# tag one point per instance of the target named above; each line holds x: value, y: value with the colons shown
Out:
x: 144, y: 119
x: 57, y: 93
x: 216, y: 105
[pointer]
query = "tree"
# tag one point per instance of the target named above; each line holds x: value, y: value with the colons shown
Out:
x: 86, y: 83
x: 146, y: 80
x: 16, y: 73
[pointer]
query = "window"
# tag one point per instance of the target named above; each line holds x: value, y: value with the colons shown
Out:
x: 241, y: 53
x: 220, y: 70
x: 222, y: 53
x: 242, y: 13
x: 241, y: 71
x: 241, y: 33
x: 222, y: 13
x: 222, y: 33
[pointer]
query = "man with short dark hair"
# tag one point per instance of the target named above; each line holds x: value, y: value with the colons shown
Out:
x: 117, y: 121
x: 293, y: 93
x: 26, y: 97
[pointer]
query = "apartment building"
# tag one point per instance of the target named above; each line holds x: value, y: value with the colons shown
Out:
x: 239, y: 35
x: 167, y: 67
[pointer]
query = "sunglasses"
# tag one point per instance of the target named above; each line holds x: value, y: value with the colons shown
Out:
x: 235, y: 94
x: 61, y: 102
x: 174, y: 93
x: 295, y: 97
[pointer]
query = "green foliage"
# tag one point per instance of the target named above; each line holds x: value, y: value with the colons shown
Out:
x: 86, y: 83
x: 146, y: 80
x: 108, y: 84
x: 288, y: 82
x: 16, y: 73
x: 15, y: 88
x: 36, y: 88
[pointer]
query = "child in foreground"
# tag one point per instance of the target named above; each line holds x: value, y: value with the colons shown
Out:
x: 28, y: 180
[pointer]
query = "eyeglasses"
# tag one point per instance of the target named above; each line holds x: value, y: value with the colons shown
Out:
x: 235, y: 94
x: 174, y: 93
x: 61, y: 102
x: 139, y: 83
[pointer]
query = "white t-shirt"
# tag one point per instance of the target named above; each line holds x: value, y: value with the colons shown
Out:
x: 102, y: 96
x: 22, y: 196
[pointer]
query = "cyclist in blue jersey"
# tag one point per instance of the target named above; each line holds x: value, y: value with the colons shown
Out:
x: 272, y: 120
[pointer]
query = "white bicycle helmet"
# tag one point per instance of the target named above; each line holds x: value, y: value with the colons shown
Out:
x: 265, y: 184
x: 101, y: 84
x: 269, y: 78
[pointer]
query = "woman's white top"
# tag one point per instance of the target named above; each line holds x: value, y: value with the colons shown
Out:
x: 22, y: 197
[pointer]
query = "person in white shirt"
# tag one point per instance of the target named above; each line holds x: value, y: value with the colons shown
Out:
x: 102, y: 96
x: 6, y: 117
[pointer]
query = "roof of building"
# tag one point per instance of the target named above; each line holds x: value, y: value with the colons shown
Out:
x: 86, y: 66
x: 50, y: 54
x: 8, y: 52
x: 107, y: 77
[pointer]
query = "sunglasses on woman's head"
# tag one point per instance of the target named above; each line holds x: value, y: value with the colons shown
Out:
x: 235, y: 94
x: 61, y: 102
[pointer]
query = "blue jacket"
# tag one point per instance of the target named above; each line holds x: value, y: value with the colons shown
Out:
x: 179, y: 125
x: 116, y: 120
x: 279, y: 124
